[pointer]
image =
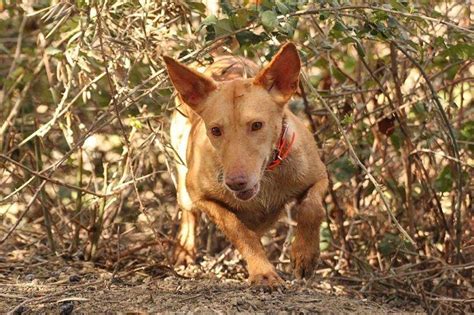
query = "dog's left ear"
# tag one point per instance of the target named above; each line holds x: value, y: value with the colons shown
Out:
x: 281, y: 76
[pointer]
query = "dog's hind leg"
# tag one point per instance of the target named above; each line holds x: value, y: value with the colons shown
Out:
x: 185, y: 250
x: 309, y: 216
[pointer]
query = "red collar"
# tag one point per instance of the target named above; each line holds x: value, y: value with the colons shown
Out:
x: 283, y: 147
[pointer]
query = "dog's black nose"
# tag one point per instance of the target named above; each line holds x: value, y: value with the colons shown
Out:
x: 236, y: 183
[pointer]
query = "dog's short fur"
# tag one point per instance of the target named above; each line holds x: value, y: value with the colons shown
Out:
x: 227, y: 130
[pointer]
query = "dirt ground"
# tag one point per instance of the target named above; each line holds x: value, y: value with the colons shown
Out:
x: 173, y: 295
x: 33, y: 283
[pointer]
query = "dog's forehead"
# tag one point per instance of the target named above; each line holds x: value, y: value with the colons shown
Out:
x: 239, y: 99
x: 236, y: 87
x: 243, y: 93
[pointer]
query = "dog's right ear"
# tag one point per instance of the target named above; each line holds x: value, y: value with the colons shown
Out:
x: 192, y: 86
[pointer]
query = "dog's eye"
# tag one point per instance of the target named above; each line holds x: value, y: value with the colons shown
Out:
x: 257, y: 125
x: 216, y: 131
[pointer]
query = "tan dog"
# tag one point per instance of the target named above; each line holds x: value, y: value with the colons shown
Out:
x: 247, y: 156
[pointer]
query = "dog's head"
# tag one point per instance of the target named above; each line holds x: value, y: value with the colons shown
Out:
x: 243, y: 117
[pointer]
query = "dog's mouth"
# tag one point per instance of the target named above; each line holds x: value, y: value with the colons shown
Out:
x: 248, y: 193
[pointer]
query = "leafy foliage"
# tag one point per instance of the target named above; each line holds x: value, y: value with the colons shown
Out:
x: 85, y: 101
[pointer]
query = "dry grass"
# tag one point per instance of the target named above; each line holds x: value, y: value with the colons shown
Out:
x: 85, y: 162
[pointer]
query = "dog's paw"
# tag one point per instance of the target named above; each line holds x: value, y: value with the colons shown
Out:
x: 184, y: 257
x: 304, y: 262
x: 269, y: 280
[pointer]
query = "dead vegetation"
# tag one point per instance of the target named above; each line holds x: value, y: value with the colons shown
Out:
x: 85, y: 169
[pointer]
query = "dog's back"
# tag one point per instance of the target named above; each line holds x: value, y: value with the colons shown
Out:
x: 226, y: 68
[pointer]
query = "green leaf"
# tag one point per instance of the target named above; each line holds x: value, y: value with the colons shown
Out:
x: 240, y: 19
x: 323, y: 16
x: 349, y: 63
x: 269, y: 20
x: 460, y: 51
x: 165, y: 92
x: 343, y: 169
x: 436, y: 14
x: 210, y: 20
x: 391, y: 243
x: 467, y: 131
x: 439, y: 42
x: 324, y: 237
x: 340, y: 76
x: 289, y: 30
x: 348, y: 120
x: 359, y: 48
x: 419, y: 110
x: 337, y: 30
x: 227, y: 7
x: 444, y: 181
x: 397, y: 139
x: 452, y: 72
x: 197, y: 7
x: 467, y: 134
x: 399, y: 5
x: 282, y: 7
x: 326, y: 45
x: 134, y: 122
x: 249, y: 38
x: 223, y: 27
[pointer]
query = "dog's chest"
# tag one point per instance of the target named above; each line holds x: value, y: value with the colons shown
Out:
x: 278, y: 188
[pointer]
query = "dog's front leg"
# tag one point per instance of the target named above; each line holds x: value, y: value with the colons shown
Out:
x: 309, y: 216
x: 247, y: 242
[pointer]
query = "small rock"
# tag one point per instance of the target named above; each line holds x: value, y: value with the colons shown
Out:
x: 66, y: 308
x: 117, y: 281
x: 74, y: 278
x: 30, y: 277
x: 20, y: 309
